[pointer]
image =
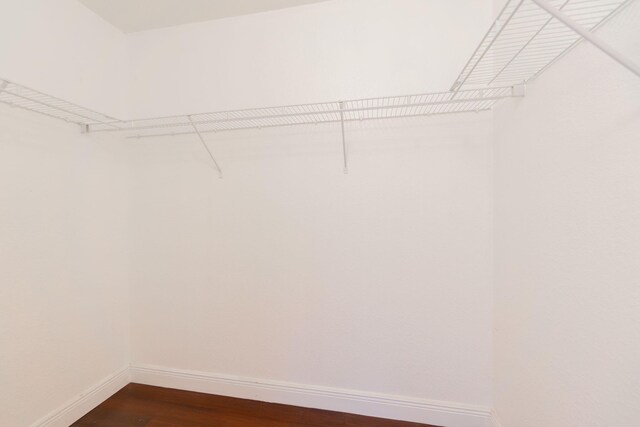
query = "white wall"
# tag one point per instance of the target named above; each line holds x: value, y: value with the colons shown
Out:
x: 567, y: 227
x: 63, y: 49
x: 64, y: 276
x: 288, y: 270
x: 63, y: 213
x: 340, y: 49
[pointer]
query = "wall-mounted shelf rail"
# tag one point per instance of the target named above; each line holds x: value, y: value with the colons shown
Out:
x: 341, y: 112
x: 525, y: 39
x: 29, y: 99
x: 309, y: 114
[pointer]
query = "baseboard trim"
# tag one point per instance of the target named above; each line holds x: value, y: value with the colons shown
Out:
x: 441, y: 413
x: 80, y: 405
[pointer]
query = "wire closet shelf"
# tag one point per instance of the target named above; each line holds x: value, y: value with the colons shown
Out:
x: 312, y: 114
x: 29, y: 99
x: 525, y: 40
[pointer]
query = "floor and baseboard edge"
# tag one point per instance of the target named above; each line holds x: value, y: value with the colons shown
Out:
x: 86, y: 401
x: 448, y: 414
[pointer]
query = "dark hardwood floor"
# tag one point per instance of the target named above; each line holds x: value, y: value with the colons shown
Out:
x: 141, y: 405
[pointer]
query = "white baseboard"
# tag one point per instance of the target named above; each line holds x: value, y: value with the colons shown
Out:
x: 440, y: 413
x: 77, y: 407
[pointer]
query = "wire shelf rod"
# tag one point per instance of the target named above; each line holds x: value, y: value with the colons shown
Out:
x: 592, y: 38
x: 45, y: 104
x: 515, y: 10
x: 180, y: 120
x: 184, y: 133
x: 526, y: 38
x: 22, y: 97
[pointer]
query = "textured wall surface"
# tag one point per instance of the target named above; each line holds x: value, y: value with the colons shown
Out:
x: 64, y: 314
x: 289, y: 270
x: 62, y: 48
x: 567, y: 233
x: 63, y: 213
x: 340, y: 49
x: 379, y: 280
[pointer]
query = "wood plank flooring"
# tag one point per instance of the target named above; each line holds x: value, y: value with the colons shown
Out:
x: 142, y: 405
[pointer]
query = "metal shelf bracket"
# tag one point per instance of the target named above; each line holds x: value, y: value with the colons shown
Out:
x: 344, y: 142
x: 589, y: 36
x: 519, y: 91
x: 206, y: 147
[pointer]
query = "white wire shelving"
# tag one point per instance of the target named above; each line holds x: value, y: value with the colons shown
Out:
x: 340, y: 112
x: 312, y: 114
x: 526, y: 39
x: 26, y: 98
x: 415, y: 105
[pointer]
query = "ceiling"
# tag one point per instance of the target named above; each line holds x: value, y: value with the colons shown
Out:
x: 139, y: 15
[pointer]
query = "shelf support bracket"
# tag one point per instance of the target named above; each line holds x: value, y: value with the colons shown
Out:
x: 344, y: 142
x: 589, y: 36
x: 519, y: 90
x: 206, y: 147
